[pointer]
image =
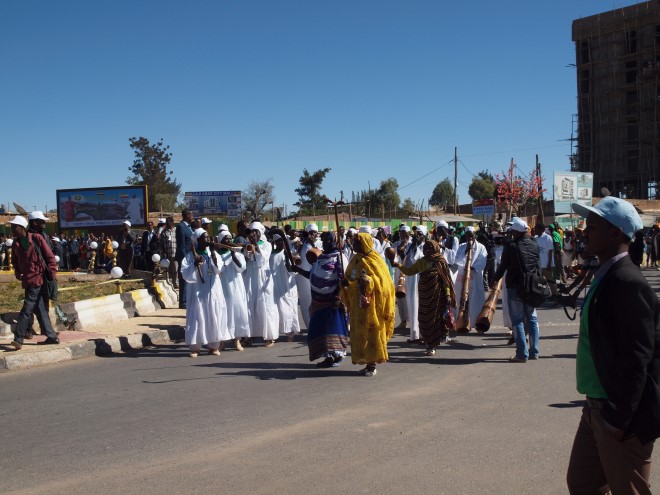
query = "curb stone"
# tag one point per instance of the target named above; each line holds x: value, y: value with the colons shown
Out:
x: 90, y: 348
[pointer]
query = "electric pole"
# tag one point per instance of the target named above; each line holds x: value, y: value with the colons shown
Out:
x: 455, y: 180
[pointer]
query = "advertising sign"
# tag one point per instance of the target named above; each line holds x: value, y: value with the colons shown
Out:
x: 101, y: 206
x: 222, y: 203
x: 572, y: 187
x: 484, y: 207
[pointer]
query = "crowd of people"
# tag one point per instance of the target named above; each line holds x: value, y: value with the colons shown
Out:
x: 348, y: 285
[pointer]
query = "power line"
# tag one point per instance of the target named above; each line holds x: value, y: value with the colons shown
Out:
x: 519, y: 149
x: 426, y: 175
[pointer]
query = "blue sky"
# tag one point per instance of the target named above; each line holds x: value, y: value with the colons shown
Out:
x: 247, y: 90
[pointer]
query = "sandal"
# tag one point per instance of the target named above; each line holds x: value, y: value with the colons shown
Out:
x: 430, y: 352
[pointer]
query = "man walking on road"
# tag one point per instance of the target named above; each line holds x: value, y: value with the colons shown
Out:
x: 618, y: 361
x: 31, y: 258
x: 183, y: 236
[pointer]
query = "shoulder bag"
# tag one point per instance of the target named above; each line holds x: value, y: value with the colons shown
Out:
x: 532, y: 288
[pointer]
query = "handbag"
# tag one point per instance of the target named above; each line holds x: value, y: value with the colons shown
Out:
x: 533, y: 289
x: 51, y: 283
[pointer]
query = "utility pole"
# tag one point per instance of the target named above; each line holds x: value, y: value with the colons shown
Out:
x: 455, y: 180
x: 538, y: 174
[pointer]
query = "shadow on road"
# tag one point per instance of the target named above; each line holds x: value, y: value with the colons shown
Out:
x: 566, y: 405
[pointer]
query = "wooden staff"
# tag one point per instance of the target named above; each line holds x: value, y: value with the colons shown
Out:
x: 287, y: 249
x: 340, y: 243
x: 485, y: 318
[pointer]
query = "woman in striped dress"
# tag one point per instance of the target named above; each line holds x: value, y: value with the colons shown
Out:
x: 436, y: 295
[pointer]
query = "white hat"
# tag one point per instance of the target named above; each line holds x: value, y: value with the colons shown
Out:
x: 19, y: 220
x: 404, y: 228
x: 222, y: 234
x: 257, y: 226
x: 162, y: 220
x: 197, y: 233
x: 352, y: 230
x: 56, y: 239
x: 223, y: 227
x: 206, y: 221
x: 126, y: 222
x: 469, y: 228
x: 423, y: 229
x: 365, y: 229
x: 37, y: 215
x: 518, y: 225
x: 441, y: 223
x: 311, y: 226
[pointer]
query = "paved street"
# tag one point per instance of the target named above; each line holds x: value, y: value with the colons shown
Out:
x: 267, y: 421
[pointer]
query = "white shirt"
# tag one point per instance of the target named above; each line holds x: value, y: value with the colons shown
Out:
x: 546, y: 245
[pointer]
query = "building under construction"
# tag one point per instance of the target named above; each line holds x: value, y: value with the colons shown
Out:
x: 618, y: 76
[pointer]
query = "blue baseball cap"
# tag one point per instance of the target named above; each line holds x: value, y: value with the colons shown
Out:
x: 618, y: 212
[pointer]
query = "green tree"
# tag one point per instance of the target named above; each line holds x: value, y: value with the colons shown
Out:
x: 150, y: 169
x: 482, y: 186
x: 309, y: 193
x: 408, y: 206
x: 443, y: 194
x: 256, y: 197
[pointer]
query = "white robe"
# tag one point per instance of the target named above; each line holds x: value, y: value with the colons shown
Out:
x: 285, y: 293
x: 450, y: 256
x: 262, y: 310
x: 412, y: 298
x: 206, y: 313
x: 304, y: 288
x: 238, y: 323
x: 477, y: 294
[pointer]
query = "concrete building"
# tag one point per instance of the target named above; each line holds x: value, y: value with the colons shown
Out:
x: 618, y: 75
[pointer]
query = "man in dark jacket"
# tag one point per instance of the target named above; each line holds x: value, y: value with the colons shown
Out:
x: 31, y: 257
x: 183, y: 236
x: 618, y: 361
x: 521, y: 252
x: 149, y: 246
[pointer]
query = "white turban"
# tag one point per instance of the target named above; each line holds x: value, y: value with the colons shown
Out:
x: 197, y: 233
x: 352, y: 230
x: 441, y: 223
x: 404, y: 228
x: 365, y: 229
x: 223, y: 228
x: 222, y: 235
x: 257, y: 226
x: 311, y: 226
x: 469, y: 228
x: 423, y: 229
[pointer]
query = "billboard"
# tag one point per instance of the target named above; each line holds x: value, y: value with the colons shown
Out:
x: 485, y: 207
x: 572, y: 187
x: 101, y: 206
x: 222, y: 203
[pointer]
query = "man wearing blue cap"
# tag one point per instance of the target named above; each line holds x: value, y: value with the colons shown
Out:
x: 618, y: 361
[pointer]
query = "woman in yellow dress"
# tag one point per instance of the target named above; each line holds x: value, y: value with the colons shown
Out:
x: 370, y: 301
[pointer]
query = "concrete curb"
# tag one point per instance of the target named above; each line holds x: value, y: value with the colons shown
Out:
x: 89, y: 348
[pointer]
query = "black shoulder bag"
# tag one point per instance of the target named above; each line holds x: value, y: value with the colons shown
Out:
x: 532, y: 288
x: 51, y: 283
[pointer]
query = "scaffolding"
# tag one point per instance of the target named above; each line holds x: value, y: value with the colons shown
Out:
x: 618, y: 71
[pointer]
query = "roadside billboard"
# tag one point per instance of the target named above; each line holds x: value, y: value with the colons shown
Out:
x: 572, y: 187
x: 218, y: 203
x: 484, y: 207
x: 101, y: 206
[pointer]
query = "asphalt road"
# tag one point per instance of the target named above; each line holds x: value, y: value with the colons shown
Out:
x: 266, y: 421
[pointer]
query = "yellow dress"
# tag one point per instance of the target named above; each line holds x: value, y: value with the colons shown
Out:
x: 372, y: 326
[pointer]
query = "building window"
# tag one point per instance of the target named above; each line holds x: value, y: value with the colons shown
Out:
x: 584, y: 81
x: 631, y: 42
x: 631, y: 72
x: 584, y: 51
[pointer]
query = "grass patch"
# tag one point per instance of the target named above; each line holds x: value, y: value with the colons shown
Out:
x: 11, y: 294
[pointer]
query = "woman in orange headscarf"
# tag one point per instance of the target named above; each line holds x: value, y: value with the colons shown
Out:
x: 370, y: 301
